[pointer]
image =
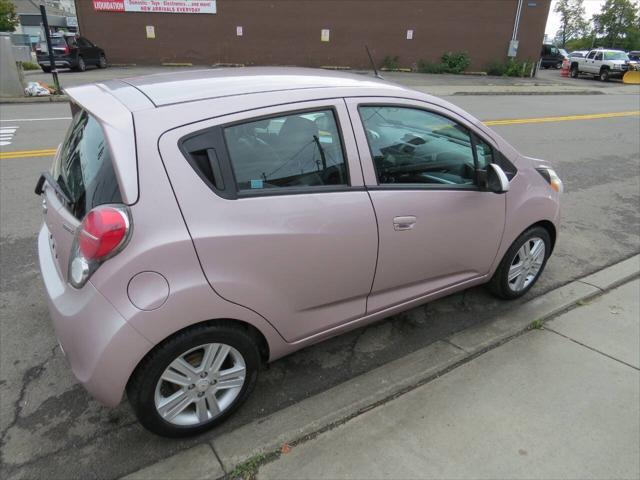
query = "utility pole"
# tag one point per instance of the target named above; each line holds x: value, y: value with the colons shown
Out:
x: 52, y: 61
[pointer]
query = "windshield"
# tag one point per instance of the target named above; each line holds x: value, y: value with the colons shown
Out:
x: 84, y: 169
x: 615, y: 56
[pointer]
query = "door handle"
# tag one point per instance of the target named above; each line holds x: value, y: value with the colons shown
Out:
x: 403, y: 223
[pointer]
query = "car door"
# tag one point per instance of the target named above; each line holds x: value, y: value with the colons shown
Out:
x: 87, y: 50
x: 437, y: 227
x: 597, y: 63
x: 275, y: 203
x: 589, y: 62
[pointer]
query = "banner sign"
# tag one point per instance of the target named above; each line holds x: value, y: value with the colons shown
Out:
x: 156, y: 6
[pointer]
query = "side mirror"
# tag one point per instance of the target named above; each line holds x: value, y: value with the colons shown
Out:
x: 497, y: 181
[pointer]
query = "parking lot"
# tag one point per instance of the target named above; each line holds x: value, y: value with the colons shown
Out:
x: 52, y: 429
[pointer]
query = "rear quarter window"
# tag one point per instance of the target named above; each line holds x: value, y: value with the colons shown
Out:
x: 84, y: 168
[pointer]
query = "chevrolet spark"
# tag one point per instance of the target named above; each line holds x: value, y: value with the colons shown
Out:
x: 199, y: 224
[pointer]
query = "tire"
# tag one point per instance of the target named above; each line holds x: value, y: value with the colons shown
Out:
x: 574, y: 72
x: 604, y: 75
x: 102, y: 63
x: 46, y: 69
x: 558, y: 65
x: 81, y: 67
x: 500, y: 285
x: 145, y: 388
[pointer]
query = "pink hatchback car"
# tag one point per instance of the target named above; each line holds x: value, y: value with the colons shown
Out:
x: 198, y: 224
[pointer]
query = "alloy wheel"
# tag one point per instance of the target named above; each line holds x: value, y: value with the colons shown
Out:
x: 200, y: 384
x: 526, y: 264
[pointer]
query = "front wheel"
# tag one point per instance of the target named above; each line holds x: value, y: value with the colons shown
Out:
x: 522, y: 265
x: 195, y: 380
x: 102, y: 63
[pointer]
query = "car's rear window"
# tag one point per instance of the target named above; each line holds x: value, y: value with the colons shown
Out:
x: 84, y: 169
x: 58, y: 42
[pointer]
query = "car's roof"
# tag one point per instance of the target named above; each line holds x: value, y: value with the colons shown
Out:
x: 179, y: 87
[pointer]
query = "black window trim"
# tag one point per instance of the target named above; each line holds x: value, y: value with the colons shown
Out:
x: 417, y: 186
x: 219, y: 144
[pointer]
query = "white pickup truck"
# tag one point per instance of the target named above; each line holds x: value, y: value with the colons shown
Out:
x: 604, y: 64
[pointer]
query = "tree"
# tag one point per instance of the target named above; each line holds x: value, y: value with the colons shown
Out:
x: 619, y: 22
x: 8, y: 16
x: 572, y: 22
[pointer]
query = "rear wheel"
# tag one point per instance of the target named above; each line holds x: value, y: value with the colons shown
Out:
x: 522, y: 265
x: 195, y: 380
x: 574, y: 71
x: 604, y: 75
x: 81, y: 67
x: 558, y: 65
x: 46, y: 69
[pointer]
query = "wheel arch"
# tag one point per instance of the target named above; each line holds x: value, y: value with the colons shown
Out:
x: 254, y: 332
x: 550, y: 228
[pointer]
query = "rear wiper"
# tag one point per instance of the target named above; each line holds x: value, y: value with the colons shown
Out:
x: 46, y: 177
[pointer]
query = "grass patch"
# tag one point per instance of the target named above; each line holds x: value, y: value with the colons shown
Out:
x: 248, y: 469
x: 30, y: 66
x: 536, y: 325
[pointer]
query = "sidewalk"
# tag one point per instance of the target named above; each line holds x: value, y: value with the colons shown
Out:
x: 557, y: 402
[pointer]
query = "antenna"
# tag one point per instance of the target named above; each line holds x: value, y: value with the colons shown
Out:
x: 373, y: 64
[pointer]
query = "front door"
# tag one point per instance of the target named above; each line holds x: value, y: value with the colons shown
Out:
x: 275, y: 204
x: 437, y: 227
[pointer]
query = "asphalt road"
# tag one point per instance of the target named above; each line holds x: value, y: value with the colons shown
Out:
x: 50, y: 428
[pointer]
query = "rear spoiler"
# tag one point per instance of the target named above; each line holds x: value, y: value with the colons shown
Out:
x: 117, y: 122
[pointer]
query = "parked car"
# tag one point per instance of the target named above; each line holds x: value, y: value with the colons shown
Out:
x: 601, y: 63
x: 71, y: 51
x: 198, y: 224
x: 634, y: 56
x: 579, y: 54
x: 551, y: 56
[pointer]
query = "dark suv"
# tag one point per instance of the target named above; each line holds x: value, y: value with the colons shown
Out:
x: 70, y: 51
x: 551, y: 56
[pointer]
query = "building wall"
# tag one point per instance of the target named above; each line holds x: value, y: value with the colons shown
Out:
x: 287, y: 32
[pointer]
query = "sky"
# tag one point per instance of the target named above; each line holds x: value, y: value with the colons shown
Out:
x: 553, y: 22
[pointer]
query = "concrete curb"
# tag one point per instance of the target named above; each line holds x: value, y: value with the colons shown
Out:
x: 262, y: 439
x: 45, y: 99
x: 533, y: 92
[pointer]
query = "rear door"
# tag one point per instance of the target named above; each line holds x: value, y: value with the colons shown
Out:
x: 275, y: 203
x: 437, y: 227
x: 84, y: 174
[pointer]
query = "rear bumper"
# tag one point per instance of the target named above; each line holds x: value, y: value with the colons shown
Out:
x: 60, y: 61
x: 101, y: 347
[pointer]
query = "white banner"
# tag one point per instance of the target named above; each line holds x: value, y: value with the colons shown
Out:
x: 156, y: 6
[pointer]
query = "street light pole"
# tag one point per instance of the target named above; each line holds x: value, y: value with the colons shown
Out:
x: 52, y: 61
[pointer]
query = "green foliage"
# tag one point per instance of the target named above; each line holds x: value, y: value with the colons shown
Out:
x: 572, y: 22
x: 248, y: 469
x: 430, y: 67
x: 30, y: 66
x: 391, y: 63
x: 449, y: 63
x: 456, y: 62
x: 618, y: 24
x: 8, y: 16
x: 510, y: 68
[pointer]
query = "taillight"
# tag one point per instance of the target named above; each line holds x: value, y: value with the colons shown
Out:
x: 103, y: 233
x: 67, y: 50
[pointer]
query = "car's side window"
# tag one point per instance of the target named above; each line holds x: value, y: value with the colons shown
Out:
x: 599, y: 56
x: 413, y: 146
x: 295, y: 150
x: 591, y: 55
